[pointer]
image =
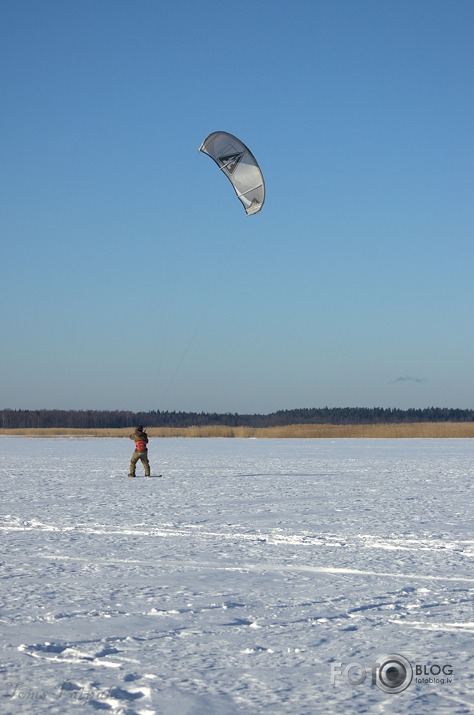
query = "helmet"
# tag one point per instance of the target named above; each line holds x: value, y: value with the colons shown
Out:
x: 140, y: 428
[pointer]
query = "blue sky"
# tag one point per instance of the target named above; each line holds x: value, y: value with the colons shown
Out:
x: 131, y: 277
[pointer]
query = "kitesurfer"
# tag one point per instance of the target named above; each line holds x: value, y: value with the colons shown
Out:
x: 140, y: 438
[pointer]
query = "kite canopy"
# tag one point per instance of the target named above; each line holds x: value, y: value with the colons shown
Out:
x: 240, y: 166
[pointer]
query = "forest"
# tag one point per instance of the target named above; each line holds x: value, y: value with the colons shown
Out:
x: 97, y: 419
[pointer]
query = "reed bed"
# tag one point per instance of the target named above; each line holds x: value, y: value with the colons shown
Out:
x: 391, y: 431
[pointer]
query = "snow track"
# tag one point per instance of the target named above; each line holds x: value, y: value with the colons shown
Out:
x: 232, y: 584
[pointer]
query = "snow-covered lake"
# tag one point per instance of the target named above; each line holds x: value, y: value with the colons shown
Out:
x: 251, y: 578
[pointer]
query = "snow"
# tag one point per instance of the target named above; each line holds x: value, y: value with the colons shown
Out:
x: 245, y: 580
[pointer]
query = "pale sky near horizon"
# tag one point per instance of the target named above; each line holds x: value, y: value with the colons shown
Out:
x: 131, y: 277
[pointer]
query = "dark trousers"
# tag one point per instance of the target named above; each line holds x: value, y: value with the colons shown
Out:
x: 143, y: 457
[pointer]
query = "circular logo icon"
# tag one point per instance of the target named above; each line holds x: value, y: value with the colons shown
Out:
x: 392, y: 673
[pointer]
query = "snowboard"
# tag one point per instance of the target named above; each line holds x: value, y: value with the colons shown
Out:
x: 142, y: 476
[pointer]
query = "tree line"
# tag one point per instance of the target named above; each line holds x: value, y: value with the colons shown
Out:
x: 96, y: 419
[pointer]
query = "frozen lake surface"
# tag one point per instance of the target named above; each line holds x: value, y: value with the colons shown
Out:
x: 249, y: 579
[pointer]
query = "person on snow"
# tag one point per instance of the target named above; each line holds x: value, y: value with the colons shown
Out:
x: 140, y: 438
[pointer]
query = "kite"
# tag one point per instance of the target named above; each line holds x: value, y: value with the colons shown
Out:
x: 240, y: 166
